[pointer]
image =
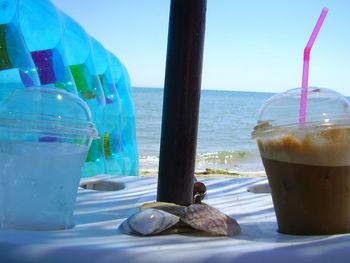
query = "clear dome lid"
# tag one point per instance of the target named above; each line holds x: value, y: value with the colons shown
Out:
x: 325, y: 107
x: 46, y: 109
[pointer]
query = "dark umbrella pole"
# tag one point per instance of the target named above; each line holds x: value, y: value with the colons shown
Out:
x: 181, y: 101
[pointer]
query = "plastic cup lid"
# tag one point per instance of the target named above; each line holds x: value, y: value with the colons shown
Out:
x: 44, y: 109
x: 325, y: 107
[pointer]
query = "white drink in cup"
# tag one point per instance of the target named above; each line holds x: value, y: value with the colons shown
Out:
x: 45, y: 135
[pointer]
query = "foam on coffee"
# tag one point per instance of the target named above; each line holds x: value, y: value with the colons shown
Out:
x: 322, y: 147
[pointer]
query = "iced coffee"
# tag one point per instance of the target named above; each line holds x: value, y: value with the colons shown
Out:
x: 310, y: 180
x: 308, y: 165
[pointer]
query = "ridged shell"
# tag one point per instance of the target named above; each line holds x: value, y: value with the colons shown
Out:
x: 151, y: 221
x: 211, y: 220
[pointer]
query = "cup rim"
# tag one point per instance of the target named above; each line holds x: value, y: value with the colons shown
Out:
x: 47, y: 124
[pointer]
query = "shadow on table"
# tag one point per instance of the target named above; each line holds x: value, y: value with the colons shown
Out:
x: 332, y: 249
x: 97, y: 239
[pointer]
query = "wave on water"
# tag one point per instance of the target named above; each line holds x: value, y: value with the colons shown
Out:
x: 226, y: 120
x: 238, y: 161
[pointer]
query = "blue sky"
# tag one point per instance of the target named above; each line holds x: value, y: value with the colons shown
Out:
x: 250, y: 45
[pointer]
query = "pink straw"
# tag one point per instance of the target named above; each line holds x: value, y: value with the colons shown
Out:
x: 305, y: 77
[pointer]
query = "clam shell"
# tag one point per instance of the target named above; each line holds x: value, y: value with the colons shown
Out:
x: 125, y: 229
x: 151, y: 221
x: 171, y: 208
x: 211, y: 220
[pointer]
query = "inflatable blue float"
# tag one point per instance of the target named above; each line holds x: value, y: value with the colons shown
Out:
x: 42, y: 46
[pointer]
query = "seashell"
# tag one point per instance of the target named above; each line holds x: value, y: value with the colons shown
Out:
x: 199, y: 192
x: 171, y: 208
x: 151, y: 221
x: 125, y: 229
x: 155, y: 205
x: 169, y: 218
x: 211, y: 220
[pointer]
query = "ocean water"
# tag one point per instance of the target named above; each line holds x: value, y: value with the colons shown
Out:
x: 226, y: 120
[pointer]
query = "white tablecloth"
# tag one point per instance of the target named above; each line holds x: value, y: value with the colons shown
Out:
x: 95, y: 237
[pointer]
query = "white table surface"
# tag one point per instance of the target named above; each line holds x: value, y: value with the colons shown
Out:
x: 95, y: 237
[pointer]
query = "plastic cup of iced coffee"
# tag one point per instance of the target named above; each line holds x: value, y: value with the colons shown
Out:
x: 307, y: 164
x: 45, y: 135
